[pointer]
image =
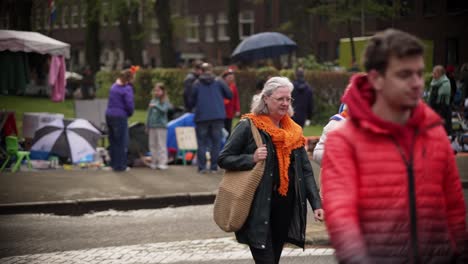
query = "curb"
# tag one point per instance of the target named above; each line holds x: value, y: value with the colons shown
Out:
x: 80, y: 207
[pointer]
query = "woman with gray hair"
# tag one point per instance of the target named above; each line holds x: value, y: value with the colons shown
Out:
x: 278, y: 212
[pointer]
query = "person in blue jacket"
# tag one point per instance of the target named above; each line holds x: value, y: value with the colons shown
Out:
x: 208, y: 96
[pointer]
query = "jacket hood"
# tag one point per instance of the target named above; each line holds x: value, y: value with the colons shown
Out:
x: 300, y: 85
x: 361, y: 96
x: 440, y: 81
x: 206, y: 78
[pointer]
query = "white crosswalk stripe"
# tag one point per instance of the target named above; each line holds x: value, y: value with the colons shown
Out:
x: 169, y: 252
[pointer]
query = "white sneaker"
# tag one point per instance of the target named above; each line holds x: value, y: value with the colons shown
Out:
x: 163, y: 167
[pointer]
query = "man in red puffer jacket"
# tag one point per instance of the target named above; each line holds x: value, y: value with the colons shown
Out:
x: 391, y: 188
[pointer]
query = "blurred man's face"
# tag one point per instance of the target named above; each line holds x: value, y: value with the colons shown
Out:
x: 401, y: 86
x: 436, y: 74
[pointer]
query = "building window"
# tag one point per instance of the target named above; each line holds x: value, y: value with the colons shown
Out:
x: 452, y: 51
x: 104, y: 15
x: 38, y: 18
x: 65, y: 17
x: 322, y: 51
x: 83, y: 15
x: 222, y: 27
x: 457, y: 6
x: 75, y: 16
x: 192, y: 29
x: 407, y: 7
x: 430, y: 7
x: 209, y: 28
x: 154, y: 31
x: 246, y: 24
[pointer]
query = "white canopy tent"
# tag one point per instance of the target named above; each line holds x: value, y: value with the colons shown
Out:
x: 26, y: 41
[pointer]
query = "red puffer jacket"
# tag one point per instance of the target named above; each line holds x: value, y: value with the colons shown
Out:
x: 392, y: 192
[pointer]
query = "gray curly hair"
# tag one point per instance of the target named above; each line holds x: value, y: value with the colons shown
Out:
x: 259, y: 107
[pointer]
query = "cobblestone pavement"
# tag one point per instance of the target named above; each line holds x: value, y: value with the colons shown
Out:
x: 188, y: 251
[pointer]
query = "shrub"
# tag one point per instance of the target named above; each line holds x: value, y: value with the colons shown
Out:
x: 327, y: 86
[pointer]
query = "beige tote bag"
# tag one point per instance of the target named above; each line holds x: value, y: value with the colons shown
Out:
x: 236, y: 192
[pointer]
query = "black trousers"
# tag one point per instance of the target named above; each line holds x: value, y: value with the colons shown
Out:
x: 270, y: 254
x: 280, y: 218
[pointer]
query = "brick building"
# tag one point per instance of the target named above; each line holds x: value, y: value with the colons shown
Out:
x: 201, y: 31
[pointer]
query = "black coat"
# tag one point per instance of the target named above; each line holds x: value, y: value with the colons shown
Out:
x: 237, y: 154
x: 303, y: 101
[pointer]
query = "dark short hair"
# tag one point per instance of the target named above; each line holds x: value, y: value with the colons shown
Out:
x: 126, y: 75
x: 388, y: 43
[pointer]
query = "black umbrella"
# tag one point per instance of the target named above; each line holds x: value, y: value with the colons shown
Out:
x: 262, y: 46
x: 74, y: 139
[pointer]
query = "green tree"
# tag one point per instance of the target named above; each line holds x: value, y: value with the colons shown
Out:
x: 93, y: 46
x: 347, y: 12
x: 126, y: 14
x: 233, y: 23
x: 298, y: 26
x: 162, y: 9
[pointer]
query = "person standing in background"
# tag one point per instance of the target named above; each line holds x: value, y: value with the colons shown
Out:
x: 156, y: 125
x: 119, y: 108
x: 232, y: 106
x: 208, y: 101
x: 303, y: 100
x: 188, y: 84
x: 440, y: 96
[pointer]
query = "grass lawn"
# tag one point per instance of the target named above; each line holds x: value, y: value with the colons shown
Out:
x: 24, y: 104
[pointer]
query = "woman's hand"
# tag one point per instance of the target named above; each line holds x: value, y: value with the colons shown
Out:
x: 318, y: 215
x: 260, y: 154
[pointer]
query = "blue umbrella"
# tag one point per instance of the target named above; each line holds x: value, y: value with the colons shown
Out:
x: 262, y: 46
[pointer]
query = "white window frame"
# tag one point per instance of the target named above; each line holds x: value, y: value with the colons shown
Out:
x: 104, y: 17
x: 64, y: 16
x: 222, y: 27
x: 83, y: 15
x: 209, y: 28
x: 246, y: 17
x: 74, y: 16
x: 193, y: 24
x: 38, y: 18
x: 154, y: 36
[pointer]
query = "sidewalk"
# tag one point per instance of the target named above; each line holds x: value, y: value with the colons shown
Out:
x: 75, y: 192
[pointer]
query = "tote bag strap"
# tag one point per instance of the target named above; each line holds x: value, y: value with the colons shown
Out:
x: 256, y: 134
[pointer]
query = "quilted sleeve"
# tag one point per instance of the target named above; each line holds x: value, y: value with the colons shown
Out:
x: 340, y: 199
x: 456, y: 211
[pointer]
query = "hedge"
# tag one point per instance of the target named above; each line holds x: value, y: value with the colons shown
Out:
x: 327, y: 86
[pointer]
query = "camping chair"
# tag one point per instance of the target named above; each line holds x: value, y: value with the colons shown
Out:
x: 12, y: 151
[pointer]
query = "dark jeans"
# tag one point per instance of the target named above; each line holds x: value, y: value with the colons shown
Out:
x: 228, y: 125
x: 209, y: 136
x: 118, y: 142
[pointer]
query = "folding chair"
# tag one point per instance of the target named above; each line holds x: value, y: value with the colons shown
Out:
x: 13, y: 151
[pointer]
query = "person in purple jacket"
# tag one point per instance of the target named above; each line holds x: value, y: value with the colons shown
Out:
x: 119, y: 108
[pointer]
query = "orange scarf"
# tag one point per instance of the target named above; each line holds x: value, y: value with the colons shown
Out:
x: 285, y: 139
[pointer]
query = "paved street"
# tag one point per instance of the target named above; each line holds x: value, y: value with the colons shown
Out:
x: 187, y: 251
x: 170, y: 235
